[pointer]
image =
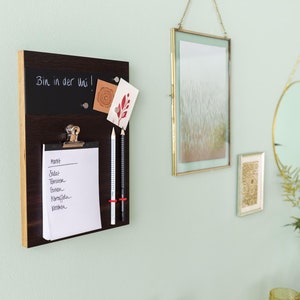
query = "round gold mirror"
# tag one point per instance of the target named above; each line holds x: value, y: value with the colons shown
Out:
x: 286, y: 127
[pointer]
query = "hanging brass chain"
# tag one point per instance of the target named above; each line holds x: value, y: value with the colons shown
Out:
x: 218, y: 15
x: 220, y: 18
x: 185, y: 11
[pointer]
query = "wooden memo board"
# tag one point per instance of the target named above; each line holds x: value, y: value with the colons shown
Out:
x: 55, y: 91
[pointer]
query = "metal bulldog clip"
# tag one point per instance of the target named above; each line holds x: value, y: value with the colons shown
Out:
x: 72, y: 137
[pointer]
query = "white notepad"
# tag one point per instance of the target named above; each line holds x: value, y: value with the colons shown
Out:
x: 71, y: 200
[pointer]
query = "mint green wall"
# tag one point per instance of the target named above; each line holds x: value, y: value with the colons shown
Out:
x: 185, y: 241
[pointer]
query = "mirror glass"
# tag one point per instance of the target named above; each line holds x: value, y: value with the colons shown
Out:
x: 286, y: 127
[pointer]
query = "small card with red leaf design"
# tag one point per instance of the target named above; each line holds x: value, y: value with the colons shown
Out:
x: 122, y: 104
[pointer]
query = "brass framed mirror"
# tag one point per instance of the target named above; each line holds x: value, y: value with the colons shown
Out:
x: 286, y: 143
x: 286, y: 124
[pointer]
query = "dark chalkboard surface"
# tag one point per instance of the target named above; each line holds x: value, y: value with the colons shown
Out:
x: 54, y: 91
x: 47, y: 88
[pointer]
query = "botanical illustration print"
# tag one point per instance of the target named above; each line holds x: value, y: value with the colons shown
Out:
x: 203, y: 102
x: 123, y: 107
x: 122, y: 104
x: 250, y: 183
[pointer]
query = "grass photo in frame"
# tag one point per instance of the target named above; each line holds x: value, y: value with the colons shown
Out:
x: 200, y: 102
x: 250, y: 183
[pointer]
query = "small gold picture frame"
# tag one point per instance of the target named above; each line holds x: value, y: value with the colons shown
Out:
x: 250, y: 183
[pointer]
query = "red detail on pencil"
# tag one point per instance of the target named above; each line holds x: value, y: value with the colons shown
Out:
x: 112, y: 201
